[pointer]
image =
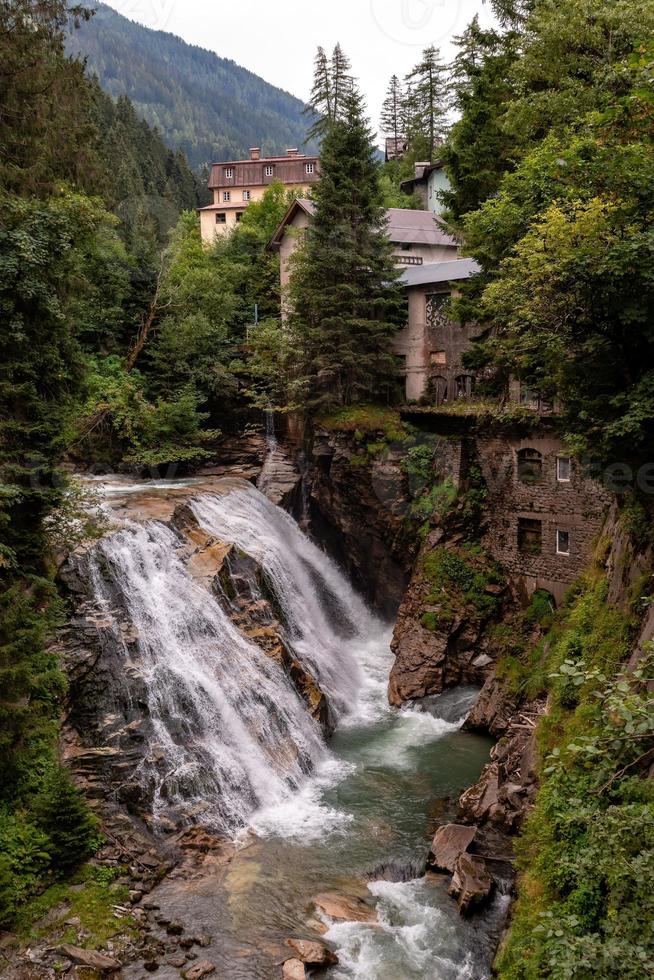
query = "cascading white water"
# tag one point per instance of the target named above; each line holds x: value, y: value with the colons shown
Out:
x: 329, y: 627
x: 230, y: 728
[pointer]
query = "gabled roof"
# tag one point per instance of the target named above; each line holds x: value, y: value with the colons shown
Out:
x: 405, y: 226
x: 438, y: 272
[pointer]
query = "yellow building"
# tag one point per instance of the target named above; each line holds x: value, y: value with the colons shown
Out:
x: 236, y: 183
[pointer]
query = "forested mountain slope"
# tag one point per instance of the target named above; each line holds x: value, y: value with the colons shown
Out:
x: 208, y: 106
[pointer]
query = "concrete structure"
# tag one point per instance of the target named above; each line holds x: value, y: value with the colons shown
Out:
x: 236, y: 183
x: 429, y: 180
x: 417, y: 238
x: 431, y: 345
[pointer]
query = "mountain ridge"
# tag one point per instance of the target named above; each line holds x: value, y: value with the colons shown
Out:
x: 208, y: 106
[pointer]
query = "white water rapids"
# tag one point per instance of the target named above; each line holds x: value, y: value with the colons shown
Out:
x: 240, y: 747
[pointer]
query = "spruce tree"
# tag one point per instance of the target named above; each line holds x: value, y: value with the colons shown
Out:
x: 392, y: 110
x: 332, y: 81
x: 428, y: 103
x: 345, y: 295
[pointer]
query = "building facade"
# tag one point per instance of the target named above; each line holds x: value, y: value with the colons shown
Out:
x: 428, y: 183
x: 417, y: 238
x: 237, y: 183
x: 431, y: 345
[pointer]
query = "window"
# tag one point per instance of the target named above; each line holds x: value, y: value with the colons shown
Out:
x: 563, y: 469
x: 239, y: 215
x: 436, y: 303
x: 269, y: 171
x: 408, y: 260
x: 563, y: 542
x: 229, y: 173
x: 246, y: 195
x: 309, y: 168
x: 464, y: 386
x: 530, y: 536
x: 530, y: 466
x: 221, y: 218
x: 227, y: 196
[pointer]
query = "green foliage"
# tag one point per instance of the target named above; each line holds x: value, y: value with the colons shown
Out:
x: 439, y: 499
x: 207, y: 106
x: 587, y: 853
x: 62, y: 813
x: 462, y: 576
x: 345, y: 298
x: 139, y: 431
x: 566, y: 241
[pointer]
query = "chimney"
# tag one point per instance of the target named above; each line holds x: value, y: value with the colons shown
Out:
x: 255, y: 153
x: 292, y: 152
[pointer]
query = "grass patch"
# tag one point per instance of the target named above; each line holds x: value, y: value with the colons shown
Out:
x: 365, y: 420
x: 84, y: 897
x: 462, y: 577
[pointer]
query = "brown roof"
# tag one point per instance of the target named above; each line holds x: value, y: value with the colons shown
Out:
x: 251, y: 173
x: 404, y: 226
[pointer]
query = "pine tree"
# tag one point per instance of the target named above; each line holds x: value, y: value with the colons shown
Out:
x: 479, y: 150
x: 332, y: 81
x: 392, y: 111
x: 345, y: 295
x: 428, y: 102
x: 63, y: 814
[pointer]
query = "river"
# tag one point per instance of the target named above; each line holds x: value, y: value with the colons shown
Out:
x: 354, y: 815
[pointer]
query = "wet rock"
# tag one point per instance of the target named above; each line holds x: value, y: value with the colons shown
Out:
x: 178, y: 961
x: 90, y: 958
x: 312, y: 953
x: 357, y: 512
x: 200, y: 969
x: 151, y: 966
x: 280, y: 479
x: 471, y: 883
x: 174, y: 928
x: 202, y: 940
x: 293, y: 970
x: 450, y: 841
x: 347, y: 908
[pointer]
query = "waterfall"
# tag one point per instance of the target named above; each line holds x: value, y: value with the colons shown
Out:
x: 271, y: 437
x: 328, y: 626
x: 229, y: 734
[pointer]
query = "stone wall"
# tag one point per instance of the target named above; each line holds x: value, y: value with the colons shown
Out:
x: 577, y: 507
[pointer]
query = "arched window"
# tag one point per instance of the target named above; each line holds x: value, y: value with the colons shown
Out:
x: 439, y: 389
x: 464, y: 384
x: 530, y: 466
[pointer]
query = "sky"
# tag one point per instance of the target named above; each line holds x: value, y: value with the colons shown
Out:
x: 277, y: 39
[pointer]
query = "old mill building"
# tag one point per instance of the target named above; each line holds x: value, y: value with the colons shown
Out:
x: 236, y: 183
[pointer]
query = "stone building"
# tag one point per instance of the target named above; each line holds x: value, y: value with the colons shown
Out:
x: 236, y: 183
x: 544, y: 513
x: 431, y: 346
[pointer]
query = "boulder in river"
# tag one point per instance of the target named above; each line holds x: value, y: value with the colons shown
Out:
x: 471, y: 882
x: 346, y: 908
x: 293, y: 970
x: 200, y: 969
x: 312, y: 952
x: 90, y: 958
x: 450, y: 841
